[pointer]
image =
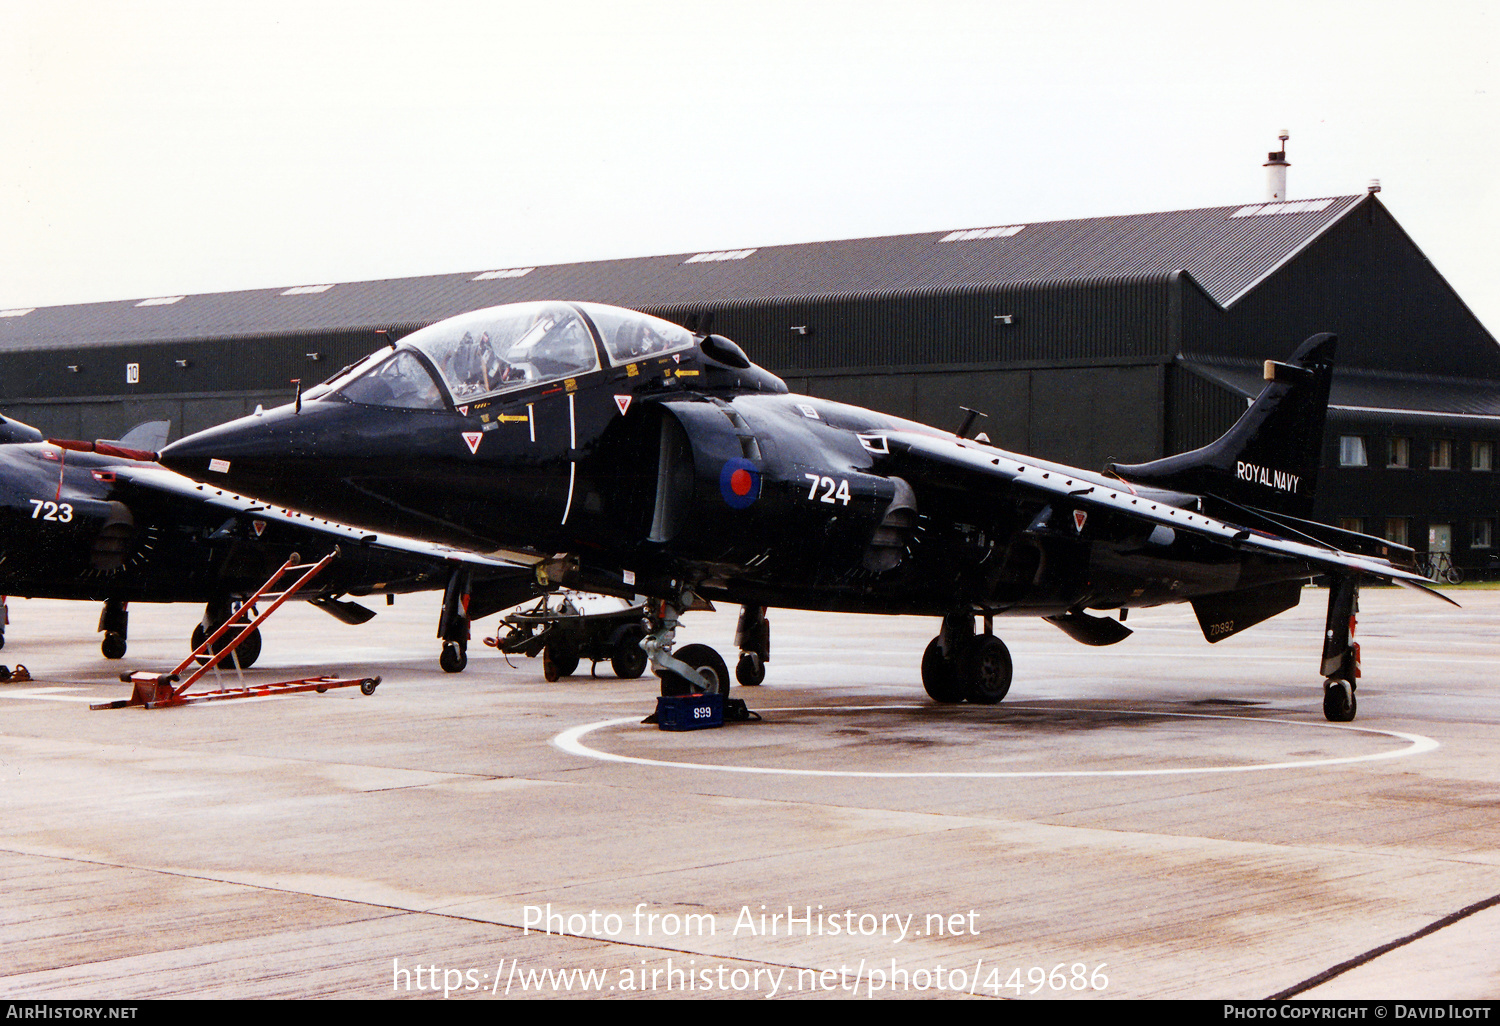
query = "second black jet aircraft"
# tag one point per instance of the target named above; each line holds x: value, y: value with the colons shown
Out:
x: 620, y: 453
x: 98, y: 521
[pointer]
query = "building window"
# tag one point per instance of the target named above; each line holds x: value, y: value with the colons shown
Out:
x: 1355, y: 524
x: 1397, y: 529
x: 1484, y: 534
x: 1352, y: 451
x: 1482, y: 456
x: 1442, y: 454
x: 1398, y: 452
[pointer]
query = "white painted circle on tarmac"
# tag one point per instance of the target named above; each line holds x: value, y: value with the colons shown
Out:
x: 571, y: 741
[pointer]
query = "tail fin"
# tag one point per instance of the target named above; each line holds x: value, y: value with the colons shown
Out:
x: 1269, y: 458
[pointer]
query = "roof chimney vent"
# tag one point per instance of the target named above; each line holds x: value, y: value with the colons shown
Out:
x: 1374, y: 186
x: 1276, y: 166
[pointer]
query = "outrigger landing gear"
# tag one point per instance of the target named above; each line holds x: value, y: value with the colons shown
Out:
x: 114, y: 620
x: 961, y: 666
x: 695, y: 669
x: 453, y: 624
x: 753, y: 636
x: 1340, y: 651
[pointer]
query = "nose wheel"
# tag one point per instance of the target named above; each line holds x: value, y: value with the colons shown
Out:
x: 693, y: 669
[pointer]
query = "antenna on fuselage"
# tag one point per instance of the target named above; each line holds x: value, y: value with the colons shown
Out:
x: 963, y: 432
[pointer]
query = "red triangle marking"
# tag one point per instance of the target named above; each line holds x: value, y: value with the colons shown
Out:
x: 623, y: 402
x: 471, y: 439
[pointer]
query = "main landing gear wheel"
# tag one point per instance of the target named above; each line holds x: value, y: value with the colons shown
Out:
x: 750, y: 671
x: 939, y: 675
x: 113, y: 646
x: 453, y: 658
x: 559, y: 658
x: 707, y: 662
x: 985, y: 669
x: 628, y: 659
x: 246, y: 654
x: 1339, y: 704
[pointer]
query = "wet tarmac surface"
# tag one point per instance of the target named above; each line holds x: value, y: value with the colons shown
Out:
x: 1163, y: 818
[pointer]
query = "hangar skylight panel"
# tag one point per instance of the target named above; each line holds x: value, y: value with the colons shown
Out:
x: 725, y: 254
x: 509, y: 272
x: 969, y: 234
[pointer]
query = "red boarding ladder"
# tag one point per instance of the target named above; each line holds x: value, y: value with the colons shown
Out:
x: 157, y: 690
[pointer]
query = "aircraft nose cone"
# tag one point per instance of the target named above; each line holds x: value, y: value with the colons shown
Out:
x: 246, y: 453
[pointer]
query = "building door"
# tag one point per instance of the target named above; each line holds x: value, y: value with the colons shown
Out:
x: 1440, y: 538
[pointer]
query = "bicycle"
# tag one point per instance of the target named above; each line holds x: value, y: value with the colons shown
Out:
x: 1438, y: 568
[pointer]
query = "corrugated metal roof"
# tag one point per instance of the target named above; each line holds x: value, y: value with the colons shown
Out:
x: 1226, y: 249
x: 1362, y: 391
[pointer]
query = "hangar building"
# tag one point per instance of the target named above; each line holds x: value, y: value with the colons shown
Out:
x: 1115, y: 338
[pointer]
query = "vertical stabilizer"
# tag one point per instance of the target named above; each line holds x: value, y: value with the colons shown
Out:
x: 1269, y: 458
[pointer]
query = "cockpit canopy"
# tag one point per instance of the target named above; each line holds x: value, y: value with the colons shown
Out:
x: 501, y: 349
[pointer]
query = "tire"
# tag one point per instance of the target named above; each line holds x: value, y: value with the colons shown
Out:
x: 939, y: 675
x: 113, y: 646
x: 559, y: 657
x: 707, y: 662
x: 246, y: 654
x: 1339, y: 703
x: 453, y: 657
x: 986, y: 670
x: 750, y: 671
x: 628, y: 659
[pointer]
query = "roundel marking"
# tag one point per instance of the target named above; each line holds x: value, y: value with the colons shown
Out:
x: 739, y: 483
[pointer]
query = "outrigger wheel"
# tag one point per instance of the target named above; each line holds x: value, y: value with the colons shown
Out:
x: 454, y: 657
x: 750, y: 671
x: 113, y: 646
x: 1339, y: 703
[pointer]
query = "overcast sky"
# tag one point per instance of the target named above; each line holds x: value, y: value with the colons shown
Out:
x: 162, y: 148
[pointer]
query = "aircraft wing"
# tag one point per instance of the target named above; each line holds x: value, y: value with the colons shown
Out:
x: 983, y: 464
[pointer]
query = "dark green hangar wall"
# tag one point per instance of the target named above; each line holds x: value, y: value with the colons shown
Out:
x: 1366, y: 280
x: 101, y: 390
x: 1072, y: 371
